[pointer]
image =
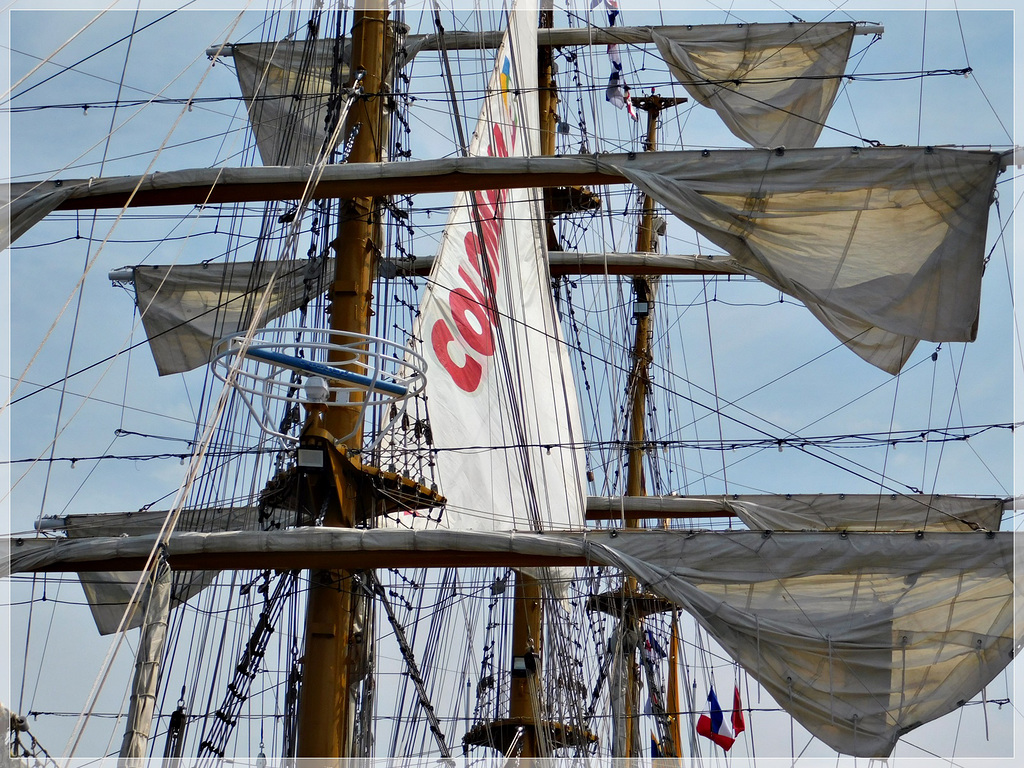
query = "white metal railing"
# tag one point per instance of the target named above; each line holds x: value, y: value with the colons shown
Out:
x: 323, y: 366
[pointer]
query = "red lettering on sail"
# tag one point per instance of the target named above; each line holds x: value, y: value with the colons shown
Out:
x: 466, y: 376
x: 473, y: 305
x: 499, y: 141
x: 477, y: 255
x: 478, y: 334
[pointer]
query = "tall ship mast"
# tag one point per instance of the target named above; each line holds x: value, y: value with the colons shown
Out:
x: 530, y: 381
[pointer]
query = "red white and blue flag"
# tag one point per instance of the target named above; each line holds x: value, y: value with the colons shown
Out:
x: 617, y: 92
x: 713, y: 725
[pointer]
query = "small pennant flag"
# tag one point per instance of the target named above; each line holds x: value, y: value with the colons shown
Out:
x: 629, y: 106
x: 712, y: 724
x: 612, y: 6
x: 655, y: 746
x: 739, y: 724
x: 617, y: 92
x: 613, y: 11
x: 652, y: 650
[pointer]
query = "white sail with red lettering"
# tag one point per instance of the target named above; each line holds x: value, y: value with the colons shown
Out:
x: 502, y: 404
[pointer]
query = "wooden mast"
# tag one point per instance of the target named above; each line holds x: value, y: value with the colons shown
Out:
x: 643, y: 287
x: 527, y: 611
x: 335, y: 653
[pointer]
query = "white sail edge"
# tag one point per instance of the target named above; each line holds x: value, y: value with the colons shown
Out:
x: 932, y: 623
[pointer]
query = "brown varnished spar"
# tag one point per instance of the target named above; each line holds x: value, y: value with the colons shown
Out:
x: 306, y: 548
x: 247, y: 185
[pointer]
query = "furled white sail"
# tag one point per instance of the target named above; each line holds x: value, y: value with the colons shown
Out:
x: 885, y: 247
x: 789, y: 512
x: 108, y: 593
x: 186, y: 309
x: 772, y: 84
x: 287, y: 87
x: 837, y: 512
x: 155, y: 607
x: 816, y: 512
x: 221, y: 185
x: 502, y: 403
x: 187, y: 318
x: 145, y: 521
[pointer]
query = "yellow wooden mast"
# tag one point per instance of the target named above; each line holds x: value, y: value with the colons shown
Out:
x: 336, y: 636
x: 643, y: 288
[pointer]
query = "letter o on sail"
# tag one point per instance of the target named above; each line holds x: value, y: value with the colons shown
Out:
x: 473, y: 321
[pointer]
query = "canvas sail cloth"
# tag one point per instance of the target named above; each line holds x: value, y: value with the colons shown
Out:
x: 287, y: 87
x: 499, y: 382
x: 772, y: 85
x: 861, y: 637
x: 885, y: 247
x: 110, y: 592
x: 830, y: 512
x: 186, y: 309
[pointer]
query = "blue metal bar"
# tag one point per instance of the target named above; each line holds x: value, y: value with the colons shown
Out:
x: 327, y: 371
